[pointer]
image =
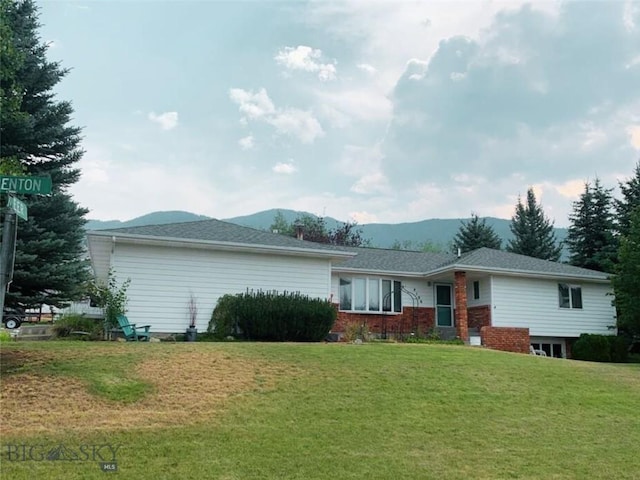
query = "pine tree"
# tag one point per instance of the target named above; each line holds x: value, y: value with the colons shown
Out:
x: 476, y: 234
x: 37, y: 138
x: 591, y: 237
x: 626, y: 282
x: 631, y: 199
x: 533, y: 232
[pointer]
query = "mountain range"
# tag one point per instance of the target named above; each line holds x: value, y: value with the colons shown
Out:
x: 437, y: 232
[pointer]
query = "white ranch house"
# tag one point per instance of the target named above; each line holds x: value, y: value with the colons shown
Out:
x: 503, y: 300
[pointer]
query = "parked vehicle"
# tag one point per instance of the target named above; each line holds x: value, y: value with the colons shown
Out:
x: 13, y: 317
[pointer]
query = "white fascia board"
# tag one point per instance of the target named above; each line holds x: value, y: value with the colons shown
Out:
x: 389, y: 273
x: 518, y: 273
x: 226, y: 246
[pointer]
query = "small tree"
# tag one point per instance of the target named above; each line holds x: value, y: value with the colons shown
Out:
x: 476, y: 234
x: 533, y: 233
x: 111, y: 297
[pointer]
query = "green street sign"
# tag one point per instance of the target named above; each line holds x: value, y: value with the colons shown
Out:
x: 18, y: 206
x: 26, y: 185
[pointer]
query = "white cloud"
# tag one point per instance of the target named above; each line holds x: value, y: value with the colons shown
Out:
x: 298, y: 123
x: 285, y: 168
x: 375, y: 182
x: 364, y: 103
x: 290, y: 121
x: 634, y: 136
x: 306, y: 59
x: 246, y: 143
x: 253, y: 105
x: 370, y: 69
x: 166, y: 120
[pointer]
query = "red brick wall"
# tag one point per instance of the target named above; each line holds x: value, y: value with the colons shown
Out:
x: 460, y: 287
x: 479, y: 317
x: 395, y: 322
x: 507, y: 339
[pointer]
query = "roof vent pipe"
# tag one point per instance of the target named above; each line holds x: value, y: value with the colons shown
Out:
x: 299, y: 228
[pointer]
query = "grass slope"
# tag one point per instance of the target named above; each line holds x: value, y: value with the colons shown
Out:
x: 255, y: 411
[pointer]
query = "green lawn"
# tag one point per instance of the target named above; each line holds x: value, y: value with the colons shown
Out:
x: 305, y: 411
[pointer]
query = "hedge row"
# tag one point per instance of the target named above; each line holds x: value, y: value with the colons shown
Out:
x: 600, y: 348
x: 272, y: 316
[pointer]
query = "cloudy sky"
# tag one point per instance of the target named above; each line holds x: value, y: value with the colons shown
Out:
x: 374, y: 111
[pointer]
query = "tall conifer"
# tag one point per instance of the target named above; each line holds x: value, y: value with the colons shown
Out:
x: 37, y: 139
x: 533, y: 233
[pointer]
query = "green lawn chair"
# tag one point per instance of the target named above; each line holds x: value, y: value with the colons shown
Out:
x: 131, y: 332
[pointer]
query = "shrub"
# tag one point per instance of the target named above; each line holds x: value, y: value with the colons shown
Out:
x: 600, y: 348
x: 67, y: 324
x: 4, y: 336
x: 272, y: 316
x: 354, y: 330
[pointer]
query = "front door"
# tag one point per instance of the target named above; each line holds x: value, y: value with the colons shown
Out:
x: 444, y: 306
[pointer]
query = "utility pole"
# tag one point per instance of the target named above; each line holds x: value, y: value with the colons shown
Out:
x: 7, y: 255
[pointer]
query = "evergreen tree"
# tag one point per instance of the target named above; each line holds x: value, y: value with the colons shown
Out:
x: 38, y: 140
x: 591, y: 234
x: 626, y: 282
x: 630, y: 200
x: 533, y: 232
x: 476, y: 234
x: 280, y: 225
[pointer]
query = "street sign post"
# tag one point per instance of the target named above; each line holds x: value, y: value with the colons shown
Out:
x: 28, y: 185
x: 17, y: 206
x: 15, y: 184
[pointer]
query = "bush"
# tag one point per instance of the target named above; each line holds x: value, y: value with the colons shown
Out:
x: 272, y: 316
x: 600, y: 348
x: 4, y: 336
x: 67, y: 324
x: 355, y: 330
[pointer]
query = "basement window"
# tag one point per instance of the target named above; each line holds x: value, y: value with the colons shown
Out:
x: 569, y: 296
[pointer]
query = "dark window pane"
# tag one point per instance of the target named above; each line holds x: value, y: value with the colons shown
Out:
x: 546, y: 348
x: 563, y: 295
x: 557, y: 350
x: 476, y: 290
x: 397, y: 297
x: 345, y: 294
x: 576, y: 297
x: 443, y: 295
x: 386, y: 295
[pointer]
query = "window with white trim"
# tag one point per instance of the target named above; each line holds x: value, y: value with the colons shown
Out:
x: 368, y: 294
x: 569, y: 296
x: 476, y: 290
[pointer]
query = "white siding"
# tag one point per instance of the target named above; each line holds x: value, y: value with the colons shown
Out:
x: 533, y: 303
x: 162, y: 280
x: 422, y: 289
x: 100, y: 251
x: 485, y: 292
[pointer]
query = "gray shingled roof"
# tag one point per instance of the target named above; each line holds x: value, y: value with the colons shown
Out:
x: 215, y: 231
x: 489, y: 259
x: 366, y: 259
x: 377, y: 259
